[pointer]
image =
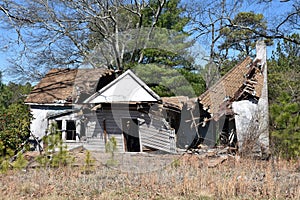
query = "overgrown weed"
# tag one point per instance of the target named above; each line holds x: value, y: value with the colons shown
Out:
x: 189, y: 179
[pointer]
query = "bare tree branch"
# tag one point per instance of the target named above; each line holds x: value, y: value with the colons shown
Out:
x: 59, y: 33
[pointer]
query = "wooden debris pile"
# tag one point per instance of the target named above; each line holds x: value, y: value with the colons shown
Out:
x: 213, y: 157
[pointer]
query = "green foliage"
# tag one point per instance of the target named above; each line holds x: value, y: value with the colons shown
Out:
x: 169, y: 82
x: 284, y: 83
x: 7, y: 163
x: 88, y: 160
x: 170, y: 41
x: 244, y: 32
x: 5, y: 159
x: 175, y: 56
x: 4, y: 165
x: 285, y: 118
x: 20, y: 162
x: 168, y: 45
x: 55, y: 151
x: 171, y: 17
x: 111, y: 147
x: 175, y: 163
x: 195, y: 79
x: 14, y: 117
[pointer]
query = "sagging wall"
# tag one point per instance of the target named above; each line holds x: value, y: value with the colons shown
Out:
x: 195, y: 130
x: 156, y: 134
x: 107, y: 122
x: 188, y: 134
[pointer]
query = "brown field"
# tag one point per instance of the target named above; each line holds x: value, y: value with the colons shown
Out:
x: 153, y: 176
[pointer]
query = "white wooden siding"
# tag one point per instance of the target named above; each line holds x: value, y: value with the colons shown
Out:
x: 152, y: 130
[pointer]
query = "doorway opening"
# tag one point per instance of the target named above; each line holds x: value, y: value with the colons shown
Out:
x: 131, y: 135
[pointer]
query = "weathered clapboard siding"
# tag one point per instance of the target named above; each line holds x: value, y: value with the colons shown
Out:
x: 153, y: 131
x: 113, y: 121
x: 95, y: 144
x: 155, y: 134
x: 91, y: 145
x: 93, y: 128
x: 113, y: 126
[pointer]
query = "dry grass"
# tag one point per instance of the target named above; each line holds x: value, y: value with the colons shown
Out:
x: 187, y: 177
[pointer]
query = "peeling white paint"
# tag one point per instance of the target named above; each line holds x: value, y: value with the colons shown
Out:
x: 39, y: 123
x: 245, y: 111
x: 252, y: 120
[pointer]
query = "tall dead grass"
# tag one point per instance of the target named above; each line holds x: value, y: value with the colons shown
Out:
x: 189, y: 177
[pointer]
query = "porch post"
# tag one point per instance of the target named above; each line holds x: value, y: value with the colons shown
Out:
x: 78, y: 126
x: 64, y: 130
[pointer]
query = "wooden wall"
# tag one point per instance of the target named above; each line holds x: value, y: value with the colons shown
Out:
x: 153, y: 131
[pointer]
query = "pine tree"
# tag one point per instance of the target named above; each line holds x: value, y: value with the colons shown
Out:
x: 243, y: 31
x: 284, y: 88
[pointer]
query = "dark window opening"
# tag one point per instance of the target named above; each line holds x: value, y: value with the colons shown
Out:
x: 71, y: 130
x: 59, y: 124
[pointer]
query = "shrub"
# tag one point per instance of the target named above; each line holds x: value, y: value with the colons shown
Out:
x: 56, y: 154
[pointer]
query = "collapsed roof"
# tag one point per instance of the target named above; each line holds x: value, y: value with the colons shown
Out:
x: 244, y: 79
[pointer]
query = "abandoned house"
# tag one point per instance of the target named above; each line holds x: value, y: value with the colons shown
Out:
x: 130, y: 111
x: 91, y: 106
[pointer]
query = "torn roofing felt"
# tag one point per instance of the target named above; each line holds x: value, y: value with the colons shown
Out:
x: 244, y: 78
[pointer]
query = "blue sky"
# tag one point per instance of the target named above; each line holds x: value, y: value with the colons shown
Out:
x: 8, y: 48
